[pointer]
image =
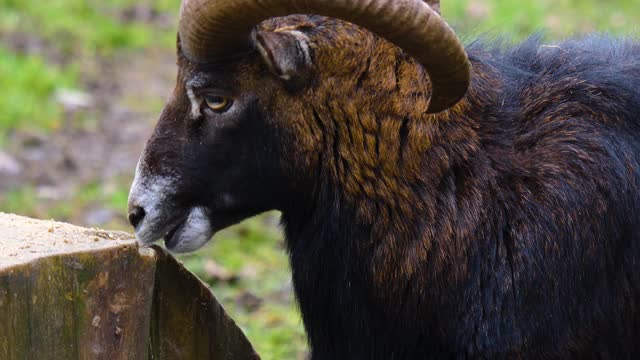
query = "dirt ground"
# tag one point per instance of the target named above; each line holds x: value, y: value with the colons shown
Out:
x: 103, y: 132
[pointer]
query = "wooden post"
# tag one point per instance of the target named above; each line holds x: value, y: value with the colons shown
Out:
x: 187, y: 321
x: 73, y: 293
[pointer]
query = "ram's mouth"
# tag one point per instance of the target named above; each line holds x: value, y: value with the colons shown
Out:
x: 156, y: 225
x: 191, y: 232
x: 169, y: 239
x: 191, y: 229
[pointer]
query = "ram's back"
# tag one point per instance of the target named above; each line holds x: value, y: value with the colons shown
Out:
x: 564, y: 142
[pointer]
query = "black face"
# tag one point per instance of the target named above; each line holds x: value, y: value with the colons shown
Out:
x: 210, y: 163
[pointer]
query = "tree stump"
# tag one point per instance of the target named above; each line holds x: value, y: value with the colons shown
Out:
x: 72, y: 293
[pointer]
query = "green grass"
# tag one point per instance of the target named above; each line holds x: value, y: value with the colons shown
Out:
x: 86, y: 26
x: 255, y: 250
x: 556, y: 18
x: 72, y: 31
x: 26, y: 94
x: 25, y: 200
x: 20, y: 201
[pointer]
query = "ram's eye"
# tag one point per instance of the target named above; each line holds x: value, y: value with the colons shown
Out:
x: 217, y: 103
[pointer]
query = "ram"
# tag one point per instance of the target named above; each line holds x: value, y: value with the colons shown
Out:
x: 438, y: 200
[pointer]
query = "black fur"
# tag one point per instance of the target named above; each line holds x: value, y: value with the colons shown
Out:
x: 543, y: 258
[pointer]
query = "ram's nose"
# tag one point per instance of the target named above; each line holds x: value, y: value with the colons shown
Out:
x: 136, y: 215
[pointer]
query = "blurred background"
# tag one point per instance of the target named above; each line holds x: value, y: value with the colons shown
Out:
x: 82, y: 83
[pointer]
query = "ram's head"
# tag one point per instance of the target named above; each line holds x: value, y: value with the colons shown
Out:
x: 261, y: 99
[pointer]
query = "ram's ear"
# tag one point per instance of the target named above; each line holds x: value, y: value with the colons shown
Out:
x: 286, y: 53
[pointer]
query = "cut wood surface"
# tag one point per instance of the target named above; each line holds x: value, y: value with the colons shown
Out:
x: 73, y: 293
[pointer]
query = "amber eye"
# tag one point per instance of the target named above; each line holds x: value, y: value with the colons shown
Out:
x: 217, y: 103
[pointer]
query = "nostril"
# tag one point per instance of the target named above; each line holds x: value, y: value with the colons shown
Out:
x: 136, y: 215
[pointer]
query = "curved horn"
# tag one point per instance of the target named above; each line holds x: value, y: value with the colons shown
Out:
x: 214, y: 28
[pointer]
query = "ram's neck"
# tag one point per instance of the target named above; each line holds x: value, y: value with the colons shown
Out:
x: 386, y: 172
x: 378, y: 149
